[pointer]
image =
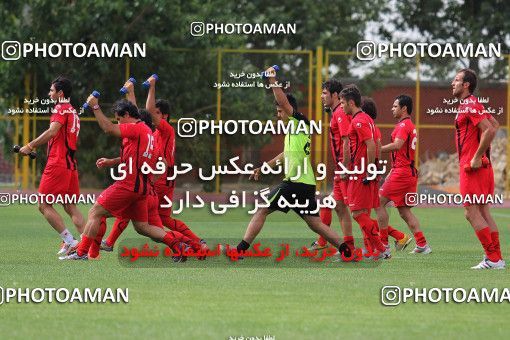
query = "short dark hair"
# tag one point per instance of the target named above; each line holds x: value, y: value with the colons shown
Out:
x: 333, y: 85
x: 368, y: 106
x: 292, y: 101
x: 164, y: 107
x: 63, y: 84
x: 146, y: 117
x: 123, y: 106
x: 351, y: 92
x: 469, y: 77
x: 405, y: 100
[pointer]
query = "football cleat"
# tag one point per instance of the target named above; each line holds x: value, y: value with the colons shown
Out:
x: 385, y: 255
x: 181, y: 247
x: 487, y: 264
x: 316, y: 246
x: 403, y: 243
x: 105, y: 247
x: 422, y: 250
x: 74, y: 256
x: 67, y: 248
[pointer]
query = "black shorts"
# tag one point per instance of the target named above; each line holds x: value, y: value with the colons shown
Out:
x: 293, y: 192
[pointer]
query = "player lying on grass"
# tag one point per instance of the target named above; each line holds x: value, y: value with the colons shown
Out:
x: 60, y: 175
x: 301, y: 189
x: 126, y: 198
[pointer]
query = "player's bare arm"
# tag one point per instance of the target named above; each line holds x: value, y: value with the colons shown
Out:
x: 272, y: 163
x: 42, y: 139
x: 394, y: 146
x: 279, y: 95
x: 347, y: 152
x: 107, y: 162
x: 370, y: 150
x: 130, y: 95
x: 104, y: 123
x: 150, y: 104
x: 488, y: 134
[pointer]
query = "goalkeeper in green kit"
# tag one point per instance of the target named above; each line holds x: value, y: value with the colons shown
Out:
x: 298, y: 184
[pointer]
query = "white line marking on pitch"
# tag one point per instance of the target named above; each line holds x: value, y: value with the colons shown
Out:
x: 501, y: 215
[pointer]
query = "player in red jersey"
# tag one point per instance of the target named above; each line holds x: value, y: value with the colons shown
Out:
x: 339, y: 140
x: 403, y: 177
x: 401, y: 240
x: 127, y: 197
x: 475, y: 129
x: 165, y: 134
x: 60, y: 176
x: 360, y: 189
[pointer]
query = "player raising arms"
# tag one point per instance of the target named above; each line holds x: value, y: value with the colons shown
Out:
x: 126, y: 198
x: 339, y: 141
x: 403, y: 177
x: 296, y: 151
x: 475, y: 130
x: 60, y: 176
x: 165, y: 137
x: 360, y: 190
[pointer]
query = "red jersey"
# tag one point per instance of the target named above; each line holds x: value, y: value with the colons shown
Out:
x: 154, y: 159
x: 61, y: 149
x: 362, y: 128
x: 166, y: 139
x: 137, y: 148
x: 338, y: 128
x: 467, y: 135
x: 404, y: 157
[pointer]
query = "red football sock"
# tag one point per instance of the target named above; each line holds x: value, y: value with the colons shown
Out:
x: 181, y: 227
x: 396, y: 234
x: 325, y: 215
x: 370, y: 230
x: 495, y: 242
x: 420, y: 239
x: 384, y: 235
x: 173, y: 238
x: 118, y: 228
x: 349, y: 240
x: 484, y: 235
x: 84, y: 245
x: 368, y: 245
x: 94, y: 246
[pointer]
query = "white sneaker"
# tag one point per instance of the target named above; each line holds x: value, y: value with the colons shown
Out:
x: 315, y: 246
x: 385, y: 255
x: 422, y: 250
x: 66, y: 248
x: 104, y: 246
x: 74, y: 256
x: 487, y: 264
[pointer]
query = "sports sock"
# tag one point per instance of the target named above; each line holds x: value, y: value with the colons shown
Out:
x: 94, y: 246
x: 495, y: 242
x: 396, y: 234
x: 370, y: 231
x: 420, y: 239
x: 118, y: 228
x: 349, y: 240
x: 66, y: 236
x: 484, y: 235
x: 84, y: 245
x: 178, y: 225
x: 384, y: 235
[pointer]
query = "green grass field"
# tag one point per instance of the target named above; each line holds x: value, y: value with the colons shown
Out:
x: 218, y: 302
